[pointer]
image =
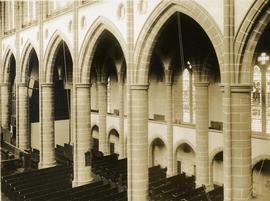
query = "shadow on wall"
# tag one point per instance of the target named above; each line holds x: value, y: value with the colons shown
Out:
x: 261, y: 179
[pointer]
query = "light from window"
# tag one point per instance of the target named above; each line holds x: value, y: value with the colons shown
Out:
x: 193, y: 100
x: 186, y: 96
x: 268, y: 100
x: 256, y: 101
x: 109, y: 102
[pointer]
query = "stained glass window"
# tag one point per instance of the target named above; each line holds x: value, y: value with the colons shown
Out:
x: 109, y: 102
x: 186, y: 96
x: 268, y: 100
x: 256, y: 100
x: 193, y: 100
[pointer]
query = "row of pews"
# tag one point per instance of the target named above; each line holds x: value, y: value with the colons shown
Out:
x: 161, y: 188
x: 32, y: 184
x: 55, y: 184
x: 181, y: 187
x: 110, y: 183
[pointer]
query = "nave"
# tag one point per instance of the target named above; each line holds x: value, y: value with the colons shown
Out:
x: 110, y: 180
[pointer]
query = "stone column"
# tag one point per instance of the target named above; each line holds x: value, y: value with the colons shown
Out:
x: 47, y: 143
x: 23, y: 116
x: 202, y: 121
x: 240, y: 161
x: 241, y: 142
x: 82, y: 136
x: 170, y: 158
x: 138, y: 169
x: 102, y: 106
x: 121, y: 121
x: 5, y: 105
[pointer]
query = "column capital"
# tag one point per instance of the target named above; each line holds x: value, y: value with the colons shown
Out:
x: 102, y: 82
x: 139, y: 86
x: 82, y: 85
x: 21, y: 84
x: 168, y: 83
x: 201, y: 84
x: 4, y: 84
x: 237, y: 88
x: 46, y: 85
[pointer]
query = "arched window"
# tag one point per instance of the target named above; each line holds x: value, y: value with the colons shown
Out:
x: 256, y: 100
x: 109, y: 102
x: 193, y: 100
x: 268, y: 100
x: 186, y: 96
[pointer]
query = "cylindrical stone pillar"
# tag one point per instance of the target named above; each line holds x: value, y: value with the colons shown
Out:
x: 5, y: 105
x: 47, y: 143
x: 102, y: 106
x: 241, y: 143
x: 82, y: 136
x: 23, y: 116
x: 202, y: 121
x: 138, y: 169
x: 121, y: 121
x: 170, y: 158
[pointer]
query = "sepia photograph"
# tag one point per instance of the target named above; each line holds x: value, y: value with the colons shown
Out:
x: 135, y: 100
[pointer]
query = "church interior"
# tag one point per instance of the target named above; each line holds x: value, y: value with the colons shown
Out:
x: 160, y: 100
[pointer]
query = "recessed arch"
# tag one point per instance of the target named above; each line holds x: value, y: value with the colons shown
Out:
x: 93, y: 36
x: 247, y: 37
x: 215, y: 152
x: 260, y: 177
x: 157, y: 152
x: 9, y: 53
x: 185, y: 157
x: 259, y: 158
x: 153, y: 26
x: 216, y: 166
x: 184, y: 141
x: 113, y: 141
x: 27, y: 52
x: 95, y: 137
x: 50, y: 54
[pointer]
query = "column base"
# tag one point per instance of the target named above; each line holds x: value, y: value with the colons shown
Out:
x: 81, y: 183
x: 46, y: 165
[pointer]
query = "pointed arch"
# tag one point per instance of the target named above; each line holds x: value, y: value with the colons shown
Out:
x: 51, y: 53
x: 183, y: 141
x: 154, y: 140
x: 90, y: 42
x: 28, y: 50
x: 6, y: 64
x: 214, y: 153
x: 153, y: 27
x: 259, y: 158
x: 247, y: 37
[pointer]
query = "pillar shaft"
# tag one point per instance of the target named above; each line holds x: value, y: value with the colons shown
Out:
x: 5, y: 105
x: 240, y: 139
x: 241, y: 143
x: 23, y: 117
x: 82, y: 137
x: 170, y: 161
x: 202, y: 121
x: 102, y: 106
x: 138, y: 168
x: 121, y: 121
x: 47, y: 143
